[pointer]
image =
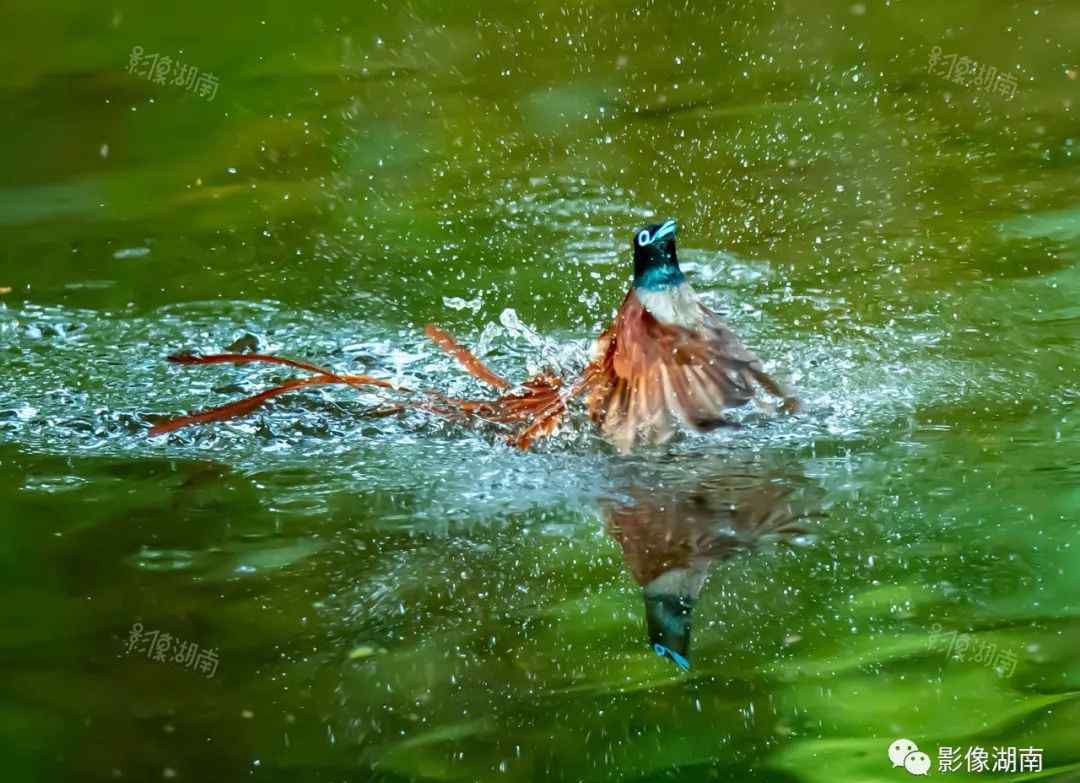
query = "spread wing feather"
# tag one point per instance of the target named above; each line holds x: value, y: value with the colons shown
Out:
x: 650, y: 376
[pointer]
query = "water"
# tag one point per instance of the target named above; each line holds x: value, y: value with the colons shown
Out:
x: 399, y: 598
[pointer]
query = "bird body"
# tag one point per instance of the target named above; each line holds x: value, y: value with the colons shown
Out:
x: 667, y: 359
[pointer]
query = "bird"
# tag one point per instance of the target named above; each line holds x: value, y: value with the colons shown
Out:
x: 666, y: 362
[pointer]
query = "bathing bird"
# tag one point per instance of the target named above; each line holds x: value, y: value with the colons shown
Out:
x: 666, y: 362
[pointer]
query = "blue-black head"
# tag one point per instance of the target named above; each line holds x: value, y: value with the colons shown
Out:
x: 656, y: 266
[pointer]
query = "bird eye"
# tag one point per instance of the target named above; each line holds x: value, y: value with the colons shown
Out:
x: 643, y: 237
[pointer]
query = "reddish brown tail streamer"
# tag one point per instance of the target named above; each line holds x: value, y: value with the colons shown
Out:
x: 244, y: 358
x: 465, y: 357
x: 545, y: 419
x: 537, y: 406
x: 249, y: 404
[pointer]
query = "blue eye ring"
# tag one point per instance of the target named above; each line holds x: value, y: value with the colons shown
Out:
x: 643, y: 237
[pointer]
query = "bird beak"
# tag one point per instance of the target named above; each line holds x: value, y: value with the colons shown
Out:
x: 665, y: 231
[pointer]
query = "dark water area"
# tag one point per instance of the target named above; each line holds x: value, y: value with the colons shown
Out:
x: 341, y: 596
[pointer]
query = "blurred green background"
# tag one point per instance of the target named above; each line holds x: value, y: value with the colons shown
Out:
x: 399, y: 599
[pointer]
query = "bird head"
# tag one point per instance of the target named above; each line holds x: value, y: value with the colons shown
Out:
x: 655, y: 264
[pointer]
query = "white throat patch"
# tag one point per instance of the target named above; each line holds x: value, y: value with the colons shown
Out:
x: 677, y: 305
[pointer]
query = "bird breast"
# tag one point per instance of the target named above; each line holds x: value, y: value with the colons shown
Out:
x: 677, y: 305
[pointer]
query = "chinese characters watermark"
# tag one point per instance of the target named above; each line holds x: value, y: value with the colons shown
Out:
x: 997, y: 759
x: 158, y: 645
x: 159, y: 68
x: 965, y: 71
x: 963, y: 647
x: 976, y: 759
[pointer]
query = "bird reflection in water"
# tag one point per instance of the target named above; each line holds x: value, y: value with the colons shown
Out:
x: 671, y: 532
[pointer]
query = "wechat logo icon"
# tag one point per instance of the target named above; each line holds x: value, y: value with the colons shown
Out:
x: 905, y: 753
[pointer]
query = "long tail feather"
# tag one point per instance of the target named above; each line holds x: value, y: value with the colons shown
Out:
x: 244, y: 358
x: 539, y: 405
x: 544, y: 421
x: 465, y: 357
x: 543, y: 425
x: 248, y: 404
